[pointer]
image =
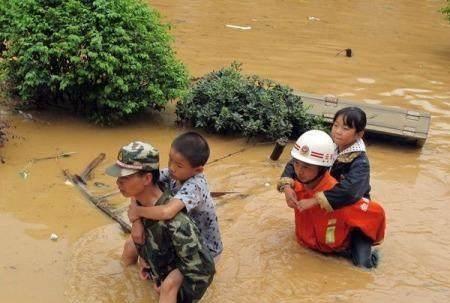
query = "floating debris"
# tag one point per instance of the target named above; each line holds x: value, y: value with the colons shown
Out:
x: 216, y: 194
x: 311, y: 18
x: 348, y: 52
x: 26, y: 115
x: 238, y: 27
x: 101, y: 184
x: 372, y: 101
x: 85, y: 175
x: 366, y: 80
x: 278, y: 149
x: 61, y: 155
x: 53, y: 237
x: 24, y: 174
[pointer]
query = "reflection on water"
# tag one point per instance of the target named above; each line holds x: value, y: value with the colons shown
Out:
x: 401, y: 59
x: 98, y: 275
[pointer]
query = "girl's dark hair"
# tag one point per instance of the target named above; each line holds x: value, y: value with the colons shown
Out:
x: 193, y: 147
x: 353, y: 117
x: 154, y: 173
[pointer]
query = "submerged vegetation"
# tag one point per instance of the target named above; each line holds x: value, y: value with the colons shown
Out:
x: 228, y: 102
x: 446, y: 10
x: 3, y: 137
x: 106, y: 60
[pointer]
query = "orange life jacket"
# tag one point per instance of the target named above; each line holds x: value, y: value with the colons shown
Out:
x: 330, y: 231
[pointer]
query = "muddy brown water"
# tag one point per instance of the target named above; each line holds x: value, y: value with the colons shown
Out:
x: 401, y: 58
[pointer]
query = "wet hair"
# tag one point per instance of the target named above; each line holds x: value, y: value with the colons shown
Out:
x: 154, y: 173
x: 353, y: 117
x: 193, y: 147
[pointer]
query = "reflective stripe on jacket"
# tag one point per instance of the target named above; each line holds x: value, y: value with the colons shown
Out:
x: 329, y: 231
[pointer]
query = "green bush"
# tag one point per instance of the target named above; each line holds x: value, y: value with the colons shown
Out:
x: 5, y: 24
x: 227, y: 102
x: 3, y: 135
x: 106, y: 59
x: 446, y: 10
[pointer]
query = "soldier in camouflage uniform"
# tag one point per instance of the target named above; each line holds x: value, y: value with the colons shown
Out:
x: 167, y: 245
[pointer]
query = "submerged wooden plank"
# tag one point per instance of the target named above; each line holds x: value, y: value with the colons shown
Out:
x: 77, y: 182
x: 396, y: 122
x: 84, y: 176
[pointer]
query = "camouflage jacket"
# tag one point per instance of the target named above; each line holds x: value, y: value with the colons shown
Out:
x: 177, y: 243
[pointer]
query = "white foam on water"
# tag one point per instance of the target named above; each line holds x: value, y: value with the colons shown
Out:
x: 424, y: 96
x: 426, y: 105
x: 366, y: 80
x: 346, y: 95
x: 436, y: 82
x: 372, y: 101
x: 441, y: 97
x: 402, y: 92
x: 385, y: 94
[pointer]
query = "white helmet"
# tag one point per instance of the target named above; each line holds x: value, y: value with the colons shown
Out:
x: 314, y: 147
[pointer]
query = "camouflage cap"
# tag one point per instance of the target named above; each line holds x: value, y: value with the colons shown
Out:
x: 134, y: 157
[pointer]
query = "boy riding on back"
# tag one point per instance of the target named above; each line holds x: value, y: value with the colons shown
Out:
x: 185, y: 180
x: 179, y: 263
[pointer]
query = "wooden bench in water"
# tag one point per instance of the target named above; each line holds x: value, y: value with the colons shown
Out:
x: 394, y: 122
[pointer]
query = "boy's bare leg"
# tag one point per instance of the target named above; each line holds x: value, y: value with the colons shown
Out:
x: 129, y: 254
x: 170, y: 286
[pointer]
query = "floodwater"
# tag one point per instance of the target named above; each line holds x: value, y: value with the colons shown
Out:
x: 401, y: 58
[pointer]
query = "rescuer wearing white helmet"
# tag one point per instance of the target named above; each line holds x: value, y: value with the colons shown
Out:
x: 352, y: 229
x: 314, y: 154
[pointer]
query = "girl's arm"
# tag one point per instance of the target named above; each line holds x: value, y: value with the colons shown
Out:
x: 354, y: 185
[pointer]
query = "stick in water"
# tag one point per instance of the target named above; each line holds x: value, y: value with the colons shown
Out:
x: 90, y: 167
x: 62, y: 155
x: 76, y: 181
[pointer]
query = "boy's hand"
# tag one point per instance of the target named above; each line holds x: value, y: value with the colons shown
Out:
x: 132, y: 211
x: 305, y: 204
x: 143, y: 269
x: 291, y: 197
x: 137, y: 232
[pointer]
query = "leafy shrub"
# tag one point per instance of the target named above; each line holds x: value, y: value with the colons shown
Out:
x: 5, y: 24
x: 226, y: 102
x: 3, y: 135
x: 106, y: 59
x: 446, y: 10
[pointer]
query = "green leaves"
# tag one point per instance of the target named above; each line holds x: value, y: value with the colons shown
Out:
x: 228, y: 102
x: 105, y: 59
x: 446, y: 10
